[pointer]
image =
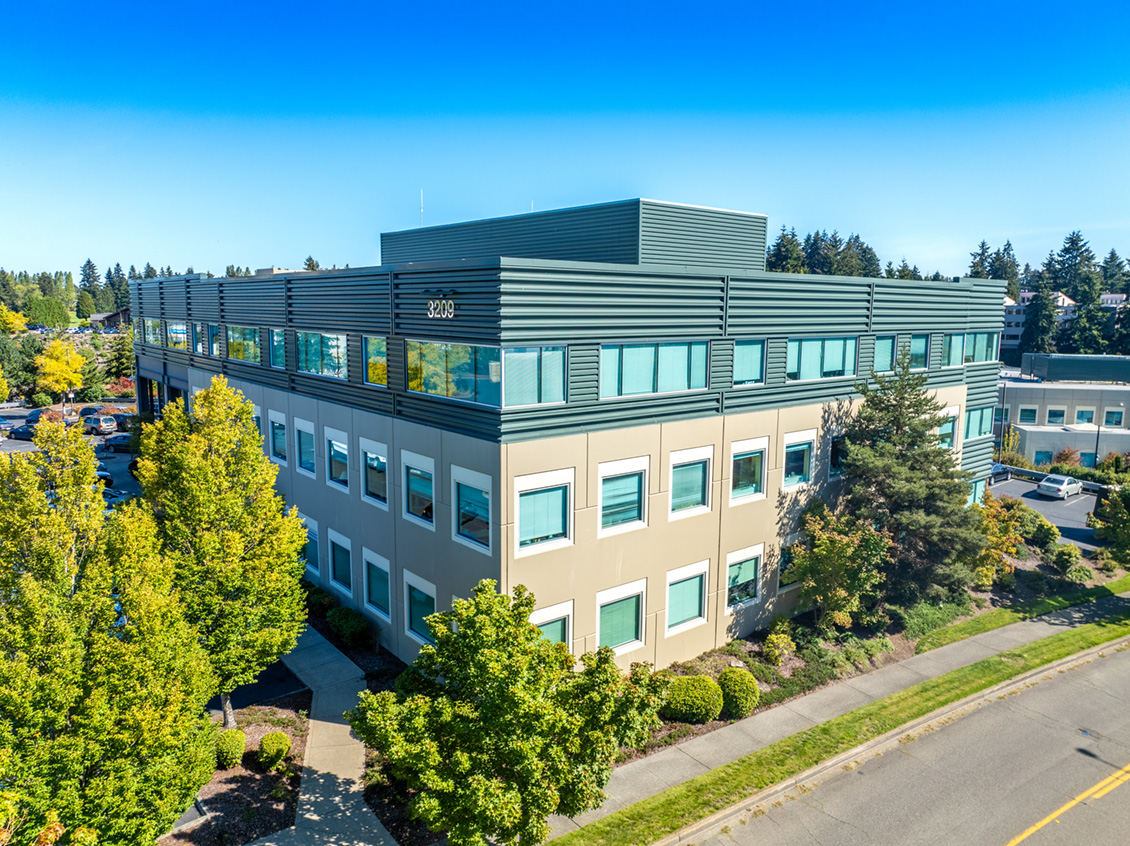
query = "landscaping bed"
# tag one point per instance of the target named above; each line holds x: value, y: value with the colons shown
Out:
x: 247, y: 802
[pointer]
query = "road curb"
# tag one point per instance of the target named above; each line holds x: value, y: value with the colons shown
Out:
x: 702, y: 829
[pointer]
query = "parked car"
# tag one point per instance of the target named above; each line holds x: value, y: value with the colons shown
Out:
x: 36, y: 327
x: 91, y: 410
x: 99, y: 425
x: 104, y: 477
x: 118, y: 443
x: 1060, y: 487
x: 22, y: 433
x: 999, y: 473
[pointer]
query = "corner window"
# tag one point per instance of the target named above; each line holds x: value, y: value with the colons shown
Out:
x: 151, y: 332
x: 555, y: 622
x: 747, y: 469
x: 819, y: 358
x: 420, y: 600
x: 243, y: 344
x: 690, y: 481
x: 798, y: 457
x: 1057, y: 416
x: 456, y: 371
x: 884, y: 354
x: 545, y: 511
x: 310, y: 551
x: 749, y: 362
x: 176, y: 335
x: 278, y: 436
x: 620, y: 612
x: 533, y: 375
x: 304, y: 447
x: 1084, y: 416
x: 377, y: 592
x: 686, y: 597
x: 278, y: 348
x: 322, y: 355
x: 623, y: 495
x: 341, y: 561
x: 919, y: 352
x: 836, y: 456
x: 337, y: 458
x: 953, y: 349
x: 376, y: 361
x: 634, y: 369
x: 419, y: 494
x: 374, y: 470
x: 743, y: 570
x: 1027, y: 415
x: 471, y: 494
x: 981, y: 347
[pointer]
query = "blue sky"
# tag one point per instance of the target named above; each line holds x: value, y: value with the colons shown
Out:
x: 208, y: 134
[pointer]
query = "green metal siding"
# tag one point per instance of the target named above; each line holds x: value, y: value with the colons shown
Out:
x: 685, y: 235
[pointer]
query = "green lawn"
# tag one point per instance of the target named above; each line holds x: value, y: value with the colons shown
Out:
x: 675, y: 808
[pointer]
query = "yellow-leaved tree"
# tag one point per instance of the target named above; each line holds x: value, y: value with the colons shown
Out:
x: 11, y: 322
x: 60, y: 368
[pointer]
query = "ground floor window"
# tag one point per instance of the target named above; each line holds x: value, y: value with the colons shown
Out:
x: 420, y: 600
x: 341, y: 561
x: 377, y: 593
x: 620, y: 616
x: 686, y: 596
x: 555, y: 622
x: 742, y: 571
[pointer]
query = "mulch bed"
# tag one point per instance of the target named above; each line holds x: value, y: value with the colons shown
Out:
x: 246, y: 803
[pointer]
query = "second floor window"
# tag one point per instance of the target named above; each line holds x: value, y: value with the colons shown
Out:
x: 243, y: 344
x: 176, y: 335
x: 633, y: 369
x: 458, y: 371
x: 321, y: 354
x: 820, y: 358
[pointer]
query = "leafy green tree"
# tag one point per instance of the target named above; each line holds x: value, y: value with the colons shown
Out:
x: 496, y: 728
x: 905, y: 483
x: 46, y: 310
x: 786, y: 256
x: 84, y: 305
x: 234, y: 546
x: 102, y: 681
x: 120, y: 360
x: 1113, y: 526
x: 839, y: 565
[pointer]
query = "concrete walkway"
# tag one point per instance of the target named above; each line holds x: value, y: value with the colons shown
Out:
x: 642, y: 779
x: 331, y: 809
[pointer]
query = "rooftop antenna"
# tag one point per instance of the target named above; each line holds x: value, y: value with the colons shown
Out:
x: 531, y: 205
x: 421, y: 206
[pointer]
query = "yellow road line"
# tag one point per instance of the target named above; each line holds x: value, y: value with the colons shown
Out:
x: 1098, y: 791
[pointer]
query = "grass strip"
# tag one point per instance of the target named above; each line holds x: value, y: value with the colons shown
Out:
x: 1018, y: 612
x: 680, y: 806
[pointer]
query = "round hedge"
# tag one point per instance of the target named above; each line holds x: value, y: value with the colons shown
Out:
x: 272, y: 749
x: 229, y: 748
x: 739, y: 692
x: 692, y: 699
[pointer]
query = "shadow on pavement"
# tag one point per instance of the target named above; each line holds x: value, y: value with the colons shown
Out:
x: 275, y: 681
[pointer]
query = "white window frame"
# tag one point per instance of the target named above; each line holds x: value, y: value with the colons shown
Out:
x: 562, y: 610
x: 1121, y: 409
x: 533, y: 482
x: 312, y: 524
x: 412, y: 580
x: 307, y: 427
x: 1020, y: 409
x: 377, y: 448
x: 604, y: 597
x: 1051, y: 408
x: 750, y: 445
x: 484, y: 483
x: 428, y: 465
x: 342, y: 541
x: 338, y: 436
x: 272, y: 418
x: 699, y: 568
x: 790, y: 439
x: 755, y: 551
x: 686, y: 456
x: 1090, y: 408
x: 381, y: 563
x: 623, y: 467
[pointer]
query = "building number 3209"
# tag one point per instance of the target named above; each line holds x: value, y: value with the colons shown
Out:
x: 441, y: 308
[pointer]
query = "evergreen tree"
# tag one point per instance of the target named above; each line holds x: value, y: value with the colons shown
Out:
x: 1120, y: 341
x: 786, y: 255
x: 1086, y: 333
x: 93, y: 380
x: 1039, y: 322
x: 1114, y: 275
x: 150, y: 271
x: 859, y: 259
x: 90, y: 279
x: 84, y: 305
x: 905, y: 483
x: 311, y: 264
x: 119, y: 361
x: 1076, y: 273
x: 1003, y: 265
x: 1028, y: 279
x: 889, y: 272
x: 905, y: 271
x: 979, y: 266
x: 133, y: 274
x: 817, y: 258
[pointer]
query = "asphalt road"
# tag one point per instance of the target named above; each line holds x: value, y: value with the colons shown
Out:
x: 1068, y: 515
x: 1034, y: 767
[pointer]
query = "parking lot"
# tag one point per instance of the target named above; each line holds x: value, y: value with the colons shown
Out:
x: 116, y: 463
x: 1068, y: 515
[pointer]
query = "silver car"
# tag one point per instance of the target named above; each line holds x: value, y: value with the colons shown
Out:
x: 1060, y: 487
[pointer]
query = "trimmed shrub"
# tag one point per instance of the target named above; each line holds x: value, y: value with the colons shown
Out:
x: 39, y: 400
x: 230, y: 745
x: 923, y: 617
x: 1066, y: 556
x: 1037, y: 582
x: 318, y: 601
x: 739, y: 692
x: 350, y: 625
x: 692, y: 699
x: 1006, y: 581
x: 779, y: 644
x: 273, y: 749
x: 1079, y: 573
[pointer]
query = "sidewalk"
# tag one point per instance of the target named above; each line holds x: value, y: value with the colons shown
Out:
x: 642, y: 779
x: 331, y: 809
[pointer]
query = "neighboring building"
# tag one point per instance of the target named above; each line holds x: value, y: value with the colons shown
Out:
x: 1079, y: 402
x: 616, y: 406
x: 1015, y: 315
x: 110, y: 318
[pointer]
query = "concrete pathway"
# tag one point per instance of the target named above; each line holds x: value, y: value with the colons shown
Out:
x: 331, y: 809
x: 642, y: 779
